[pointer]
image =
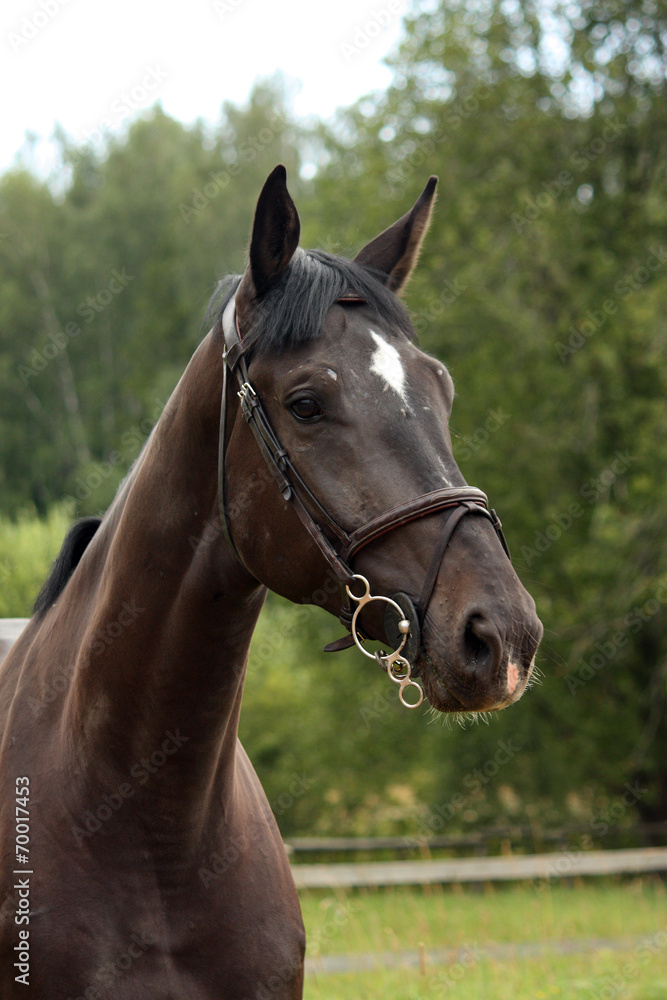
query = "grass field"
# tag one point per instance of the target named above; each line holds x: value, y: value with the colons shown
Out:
x: 626, y: 922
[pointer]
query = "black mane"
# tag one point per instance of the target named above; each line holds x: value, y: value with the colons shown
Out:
x: 75, y: 544
x: 292, y: 312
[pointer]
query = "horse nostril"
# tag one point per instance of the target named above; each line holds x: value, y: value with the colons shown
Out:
x: 483, y: 649
x: 477, y: 650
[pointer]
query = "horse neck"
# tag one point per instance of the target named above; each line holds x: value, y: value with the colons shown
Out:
x: 172, y: 612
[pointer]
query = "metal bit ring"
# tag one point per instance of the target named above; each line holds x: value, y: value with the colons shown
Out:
x: 388, y: 661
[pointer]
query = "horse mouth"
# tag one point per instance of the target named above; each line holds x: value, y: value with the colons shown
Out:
x: 448, y: 692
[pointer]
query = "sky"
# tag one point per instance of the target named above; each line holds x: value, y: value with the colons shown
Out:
x: 93, y: 66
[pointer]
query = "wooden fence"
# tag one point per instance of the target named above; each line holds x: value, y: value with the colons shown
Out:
x: 10, y: 630
x: 480, y: 842
x: 548, y: 868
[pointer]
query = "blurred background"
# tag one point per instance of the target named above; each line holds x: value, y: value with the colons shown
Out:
x: 542, y: 286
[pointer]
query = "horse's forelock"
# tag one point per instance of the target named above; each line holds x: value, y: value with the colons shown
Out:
x: 292, y: 313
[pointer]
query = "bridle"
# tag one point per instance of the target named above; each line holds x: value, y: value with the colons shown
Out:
x: 338, y: 546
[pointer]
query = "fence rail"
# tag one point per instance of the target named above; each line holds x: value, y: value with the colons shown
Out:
x: 10, y: 630
x: 645, y: 834
x: 547, y: 867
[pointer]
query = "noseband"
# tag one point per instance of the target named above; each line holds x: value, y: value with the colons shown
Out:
x: 337, y: 545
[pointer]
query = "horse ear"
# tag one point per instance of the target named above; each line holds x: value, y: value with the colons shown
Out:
x: 395, y: 251
x: 275, y: 235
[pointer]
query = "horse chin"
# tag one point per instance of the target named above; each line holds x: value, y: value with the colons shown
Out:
x: 446, y: 693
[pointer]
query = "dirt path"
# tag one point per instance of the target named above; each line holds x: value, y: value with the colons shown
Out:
x: 372, y: 962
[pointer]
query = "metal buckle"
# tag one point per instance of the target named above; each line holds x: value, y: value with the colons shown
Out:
x: 396, y: 666
x: 249, y: 401
x: 245, y: 391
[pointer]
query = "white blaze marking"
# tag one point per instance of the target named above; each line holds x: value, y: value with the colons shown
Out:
x: 386, y: 362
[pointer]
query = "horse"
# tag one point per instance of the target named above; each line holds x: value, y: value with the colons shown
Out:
x: 304, y: 450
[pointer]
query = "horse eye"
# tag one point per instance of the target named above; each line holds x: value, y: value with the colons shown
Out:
x: 306, y: 408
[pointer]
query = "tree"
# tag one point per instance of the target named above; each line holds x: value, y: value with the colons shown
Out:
x: 106, y: 274
x: 540, y: 286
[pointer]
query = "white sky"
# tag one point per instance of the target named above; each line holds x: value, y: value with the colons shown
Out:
x: 95, y: 63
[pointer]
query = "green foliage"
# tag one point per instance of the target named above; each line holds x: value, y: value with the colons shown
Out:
x: 542, y: 287
x: 28, y: 545
x: 104, y: 286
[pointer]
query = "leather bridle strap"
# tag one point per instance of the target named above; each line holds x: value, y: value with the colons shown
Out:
x: 273, y: 453
x: 428, y: 503
x: 466, y: 507
x: 313, y: 516
x: 222, y: 478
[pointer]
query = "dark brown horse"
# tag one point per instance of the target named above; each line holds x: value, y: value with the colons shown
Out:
x: 140, y: 858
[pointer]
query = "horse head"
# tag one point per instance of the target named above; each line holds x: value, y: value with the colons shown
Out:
x: 341, y: 481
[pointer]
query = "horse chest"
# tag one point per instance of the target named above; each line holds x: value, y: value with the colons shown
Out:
x: 134, y: 913
x: 117, y: 937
